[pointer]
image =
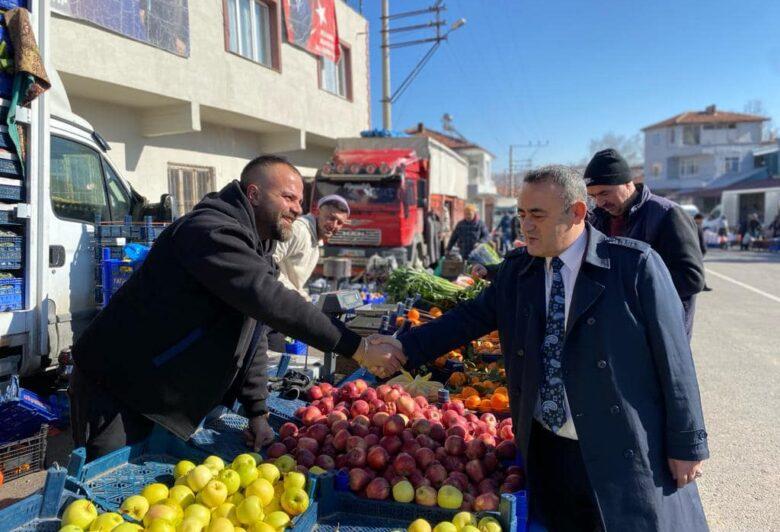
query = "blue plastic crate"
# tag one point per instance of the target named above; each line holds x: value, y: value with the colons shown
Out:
x: 295, y: 347
x: 114, y: 274
x: 282, y: 411
x: 339, y: 509
x: 360, y: 373
x: 11, y: 193
x: 8, y: 217
x: 10, y: 249
x: 23, y: 412
x: 41, y: 511
x: 11, y: 294
x: 11, y: 4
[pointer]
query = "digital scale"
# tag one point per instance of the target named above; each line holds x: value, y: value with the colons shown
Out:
x: 338, y: 304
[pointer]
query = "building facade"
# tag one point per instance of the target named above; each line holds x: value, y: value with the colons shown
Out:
x: 186, y: 119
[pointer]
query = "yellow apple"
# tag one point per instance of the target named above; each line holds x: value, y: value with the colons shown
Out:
x: 236, y: 498
x: 221, y: 524
x: 182, y: 495
x: 225, y: 509
x: 231, y: 479
x: 248, y: 474
x: 257, y: 457
x: 214, y: 494
x: 199, y: 477
x: 127, y: 527
x: 261, y: 527
x: 262, y: 489
x: 294, y: 479
x: 269, y: 472
x: 250, y: 510
x: 419, y: 525
x: 449, y: 497
x: 317, y: 470
x: 182, y: 468
x: 445, y: 526
x: 241, y: 459
x: 191, y: 524
x: 274, y: 505
x: 135, y: 507
x: 215, y: 463
x: 279, y: 520
x: 154, y: 493
x: 403, y: 491
x: 163, y: 512
x: 489, y: 524
x: 295, y: 501
x: 199, y: 512
x: 106, y: 522
x: 160, y: 525
x: 80, y: 513
x: 469, y: 528
x: 176, y: 508
x: 285, y: 463
x: 462, y: 519
x: 182, y: 481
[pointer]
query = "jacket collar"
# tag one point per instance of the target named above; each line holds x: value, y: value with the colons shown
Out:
x: 641, y: 198
x: 595, y: 251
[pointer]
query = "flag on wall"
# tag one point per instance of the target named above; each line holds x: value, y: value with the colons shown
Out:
x: 311, y: 24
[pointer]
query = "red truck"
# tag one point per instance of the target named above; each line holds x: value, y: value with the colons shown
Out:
x: 394, y: 186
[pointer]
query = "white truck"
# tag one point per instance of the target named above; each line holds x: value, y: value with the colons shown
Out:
x: 69, y: 181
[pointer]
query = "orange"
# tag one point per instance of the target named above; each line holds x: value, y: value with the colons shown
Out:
x: 473, y: 402
x: 499, y: 401
x: 502, y: 390
x: 435, y: 312
x: 413, y: 315
x: 468, y: 391
x: 399, y: 321
x: 485, y: 405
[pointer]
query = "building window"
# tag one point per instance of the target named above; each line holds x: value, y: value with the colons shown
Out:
x: 671, y: 136
x: 251, y: 30
x: 188, y: 185
x: 656, y: 139
x: 732, y: 165
x: 688, y: 167
x: 656, y: 169
x: 336, y: 78
x: 691, y: 135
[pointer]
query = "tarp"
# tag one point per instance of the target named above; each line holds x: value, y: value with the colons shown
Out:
x: 311, y: 24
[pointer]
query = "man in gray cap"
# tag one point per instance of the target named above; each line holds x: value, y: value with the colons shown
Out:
x: 625, y: 208
x: 298, y: 256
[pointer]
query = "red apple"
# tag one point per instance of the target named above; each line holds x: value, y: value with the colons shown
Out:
x: 441, y: 453
x: 327, y: 388
x: 426, y: 441
x: 421, y: 426
x: 490, y: 461
x: 506, y: 450
x: 468, y: 503
x: 488, y: 439
x: 311, y: 415
x: 288, y: 429
x: 455, y: 482
x: 356, y: 442
x: 506, y: 433
x: 455, y: 446
x: 404, y: 464
x: 369, y: 395
x: 325, y: 462
x: 476, y: 449
x: 438, y: 433
x: 275, y: 450
x: 486, y: 486
x: 319, y: 431
x: 424, y: 457
x: 392, y: 444
x: 410, y: 447
x: 290, y: 442
x: 432, y: 413
x: 356, y: 457
x: 315, y: 392
x: 361, y: 385
x: 359, y: 408
x: 461, y: 477
x: 334, y: 417
x: 341, y: 424
x: 377, y: 458
x: 358, y: 479
x: 515, y: 482
x: 309, y: 444
x: 371, y: 440
x: 392, y: 396
x: 340, y: 439
x: 437, y: 474
x: 452, y: 463
x: 457, y: 430
x: 487, y: 502
x: 305, y: 457
x: 407, y: 435
x: 358, y: 429
x: 394, y: 426
x: 380, y: 418
x: 515, y: 470
x: 475, y: 470
x: 378, y: 489
x: 421, y: 401
x: 406, y: 404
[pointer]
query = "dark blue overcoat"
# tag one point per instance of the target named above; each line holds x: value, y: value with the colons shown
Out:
x: 628, y: 371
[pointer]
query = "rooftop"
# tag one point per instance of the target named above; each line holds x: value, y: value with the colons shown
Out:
x: 710, y: 115
x: 451, y: 141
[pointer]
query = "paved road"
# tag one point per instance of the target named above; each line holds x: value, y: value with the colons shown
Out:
x: 736, y: 345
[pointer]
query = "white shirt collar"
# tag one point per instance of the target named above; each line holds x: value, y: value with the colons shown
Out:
x: 572, y: 256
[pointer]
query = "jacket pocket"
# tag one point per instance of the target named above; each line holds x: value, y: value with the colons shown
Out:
x: 177, y: 348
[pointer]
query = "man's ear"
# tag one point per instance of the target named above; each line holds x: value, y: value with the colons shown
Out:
x: 253, y: 194
x: 579, y: 211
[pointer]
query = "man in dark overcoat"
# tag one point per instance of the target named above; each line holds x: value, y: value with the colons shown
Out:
x: 602, y: 385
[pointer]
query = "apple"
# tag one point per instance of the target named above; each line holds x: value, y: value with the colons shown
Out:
x: 163, y: 512
x: 278, y: 520
x: 421, y: 426
x: 358, y: 479
x: 187, y: 525
x: 80, y: 513
x: 489, y: 440
x: 377, y: 458
x: 199, y: 512
x: 379, y: 419
x: 422, y: 402
x: 476, y: 449
x: 436, y: 473
x: 247, y: 473
x: 183, y: 494
x: 315, y: 392
x: 406, y: 405
x: 424, y: 457
x: 262, y: 489
x: 512, y: 483
x: 160, y: 525
x: 490, y: 462
x: 318, y: 432
x: 359, y: 408
x: 468, y: 502
x: 221, y: 524
x: 276, y: 449
x: 287, y: 430
x: 215, y: 463
x: 230, y: 478
x: 457, y: 430
x: 294, y: 501
x: 378, y: 489
x: 127, y: 527
x: 305, y: 458
x: 226, y: 509
x: 449, y: 497
x: 455, y: 446
x: 334, y: 417
x: 356, y: 457
x: 340, y: 439
x: 445, y: 526
x: 156, y: 492
x: 394, y: 426
x: 486, y: 502
x: 356, y: 442
x: 419, y: 525
x: 438, y: 432
x: 410, y: 447
x: 506, y: 450
x: 328, y: 448
x: 358, y: 428
x: 250, y: 510
x: 245, y: 458
x: 236, y: 498
x: 506, y: 433
x: 214, y: 494
x: 404, y: 464
x: 182, y: 468
x: 325, y: 462
x: 403, y: 491
x: 475, y: 470
x: 462, y: 519
x: 489, y: 524
x: 392, y: 444
x: 294, y: 480
x: 285, y: 463
x: 425, y: 496
x: 135, y: 507
x: 310, y: 415
x: 486, y: 486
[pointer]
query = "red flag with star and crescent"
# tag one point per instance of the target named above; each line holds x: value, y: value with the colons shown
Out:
x: 311, y: 24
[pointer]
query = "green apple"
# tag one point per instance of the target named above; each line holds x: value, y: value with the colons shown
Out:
x: 135, y: 507
x: 295, y: 501
x: 182, y: 468
x: 241, y: 459
x: 236, y: 498
x: 154, y: 493
x: 231, y: 479
x: 163, y: 512
x: 278, y: 519
x: 285, y: 463
x: 250, y: 511
x: 191, y: 524
x: 79, y: 513
x: 262, y: 489
x: 71, y: 528
x: 403, y: 491
x: 248, y: 473
x: 445, y: 526
x: 269, y: 472
x: 199, y: 512
x: 128, y: 527
x: 182, y: 495
x: 199, y: 477
x: 214, y: 493
x: 215, y: 463
x: 294, y: 479
x: 159, y: 525
x: 462, y: 519
x: 226, y: 509
x: 317, y: 470
x: 449, y: 497
x: 221, y: 524
x: 419, y: 525
x: 257, y: 457
x: 106, y: 522
x: 489, y: 524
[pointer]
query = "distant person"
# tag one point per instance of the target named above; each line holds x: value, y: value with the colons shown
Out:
x: 624, y: 208
x: 469, y: 232
x: 774, y: 227
x: 506, y: 232
x: 699, y: 220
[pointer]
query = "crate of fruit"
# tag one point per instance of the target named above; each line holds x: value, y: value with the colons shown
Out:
x: 11, y: 297
x: 41, y: 511
x: 22, y: 411
x: 11, y: 246
x: 24, y: 456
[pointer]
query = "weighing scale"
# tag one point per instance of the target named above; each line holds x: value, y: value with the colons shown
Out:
x: 338, y: 304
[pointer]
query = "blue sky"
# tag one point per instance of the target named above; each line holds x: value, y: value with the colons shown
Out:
x: 568, y: 71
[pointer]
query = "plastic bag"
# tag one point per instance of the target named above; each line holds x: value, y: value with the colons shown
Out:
x: 136, y: 252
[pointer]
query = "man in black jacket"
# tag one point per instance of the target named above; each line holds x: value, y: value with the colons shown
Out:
x: 187, y: 331
x: 624, y: 208
x: 468, y: 233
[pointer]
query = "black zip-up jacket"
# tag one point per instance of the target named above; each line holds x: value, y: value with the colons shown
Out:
x: 175, y: 339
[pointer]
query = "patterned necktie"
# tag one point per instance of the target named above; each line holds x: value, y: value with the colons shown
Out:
x: 551, y: 388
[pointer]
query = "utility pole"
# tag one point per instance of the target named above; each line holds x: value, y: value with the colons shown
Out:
x: 388, y: 97
x: 528, y: 162
x: 387, y: 118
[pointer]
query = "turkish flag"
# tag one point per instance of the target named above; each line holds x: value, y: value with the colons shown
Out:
x: 311, y: 24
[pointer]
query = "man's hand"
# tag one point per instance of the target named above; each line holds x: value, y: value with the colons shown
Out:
x: 259, y: 433
x: 479, y: 271
x: 684, y: 471
x: 381, y: 355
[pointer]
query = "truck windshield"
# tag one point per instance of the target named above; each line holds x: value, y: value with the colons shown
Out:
x: 360, y: 193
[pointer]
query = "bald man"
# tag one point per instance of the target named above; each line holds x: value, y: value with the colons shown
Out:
x: 187, y: 331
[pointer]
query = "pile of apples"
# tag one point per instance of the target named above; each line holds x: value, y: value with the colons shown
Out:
x: 394, y: 445
x: 244, y: 496
x: 462, y: 522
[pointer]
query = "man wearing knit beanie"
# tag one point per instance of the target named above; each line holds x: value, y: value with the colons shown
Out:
x: 625, y: 208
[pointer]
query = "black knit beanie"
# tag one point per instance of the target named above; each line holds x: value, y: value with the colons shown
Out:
x: 607, y: 168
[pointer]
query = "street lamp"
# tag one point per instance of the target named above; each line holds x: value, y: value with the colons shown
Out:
x: 457, y: 24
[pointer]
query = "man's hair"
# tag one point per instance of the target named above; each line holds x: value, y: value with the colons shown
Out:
x: 566, y: 177
x: 698, y: 216
x: 248, y: 175
x: 335, y: 205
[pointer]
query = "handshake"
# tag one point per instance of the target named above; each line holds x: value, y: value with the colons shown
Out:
x: 381, y: 355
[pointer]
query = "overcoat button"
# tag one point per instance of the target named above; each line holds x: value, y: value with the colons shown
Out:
x: 629, y: 454
x: 591, y: 320
x: 614, y: 409
x: 601, y: 364
x: 520, y: 352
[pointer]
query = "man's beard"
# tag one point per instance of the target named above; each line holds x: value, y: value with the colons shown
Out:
x: 280, y: 231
